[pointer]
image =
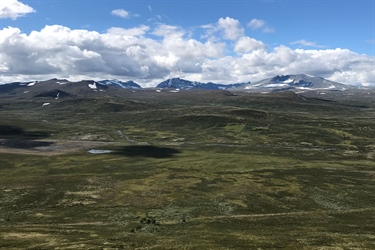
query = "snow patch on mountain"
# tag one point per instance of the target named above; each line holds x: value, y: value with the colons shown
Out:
x: 62, y: 82
x: 92, y: 86
x: 289, y: 80
x: 31, y: 84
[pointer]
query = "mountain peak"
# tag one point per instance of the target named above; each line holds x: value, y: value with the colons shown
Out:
x: 297, y: 82
x: 177, y: 83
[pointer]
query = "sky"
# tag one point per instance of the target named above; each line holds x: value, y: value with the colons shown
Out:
x: 218, y: 41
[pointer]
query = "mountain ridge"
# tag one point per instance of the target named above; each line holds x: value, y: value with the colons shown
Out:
x: 182, y: 84
x: 296, y: 82
x: 121, y: 84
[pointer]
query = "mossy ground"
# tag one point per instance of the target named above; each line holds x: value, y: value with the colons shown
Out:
x: 234, y: 172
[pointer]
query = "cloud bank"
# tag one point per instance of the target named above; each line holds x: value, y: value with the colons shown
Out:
x: 149, y: 55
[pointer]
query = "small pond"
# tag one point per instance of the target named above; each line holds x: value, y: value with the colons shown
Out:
x: 99, y: 151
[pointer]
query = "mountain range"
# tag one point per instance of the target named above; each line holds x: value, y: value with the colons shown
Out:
x: 59, y: 88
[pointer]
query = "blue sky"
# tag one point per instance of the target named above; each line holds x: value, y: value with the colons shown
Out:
x: 239, y: 33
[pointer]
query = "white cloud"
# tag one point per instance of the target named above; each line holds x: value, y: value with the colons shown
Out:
x: 231, y: 27
x: 120, y: 13
x: 247, y: 44
x: 260, y: 24
x: 14, y: 9
x: 224, y: 29
x: 256, y: 23
x: 149, y: 55
x: 137, y: 31
x: 168, y: 31
x: 305, y: 43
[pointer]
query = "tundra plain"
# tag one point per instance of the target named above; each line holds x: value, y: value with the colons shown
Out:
x: 189, y: 170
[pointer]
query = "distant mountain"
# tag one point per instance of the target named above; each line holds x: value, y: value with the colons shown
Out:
x: 53, y: 88
x: 121, y: 84
x: 29, y: 87
x: 298, y: 82
x: 182, y: 84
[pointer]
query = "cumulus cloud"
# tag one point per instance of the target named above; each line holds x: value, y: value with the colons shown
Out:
x: 247, y: 44
x: 228, y: 28
x: 231, y: 27
x: 149, y: 55
x: 14, y: 9
x: 260, y: 24
x: 120, y: 13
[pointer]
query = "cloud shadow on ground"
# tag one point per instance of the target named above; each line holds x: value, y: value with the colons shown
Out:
x: 16, y: 137
x: 24, y: 144
x: 146, y: 151
x: 15, y: 132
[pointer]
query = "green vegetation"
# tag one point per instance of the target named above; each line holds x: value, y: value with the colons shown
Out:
x: 188, y: 170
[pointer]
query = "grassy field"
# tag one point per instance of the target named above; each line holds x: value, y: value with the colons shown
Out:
x: 188, y: 170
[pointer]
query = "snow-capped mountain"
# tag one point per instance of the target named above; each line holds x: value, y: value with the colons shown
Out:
x: 121, y: 84
x: 182, y: 84
x: 295, y: 82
